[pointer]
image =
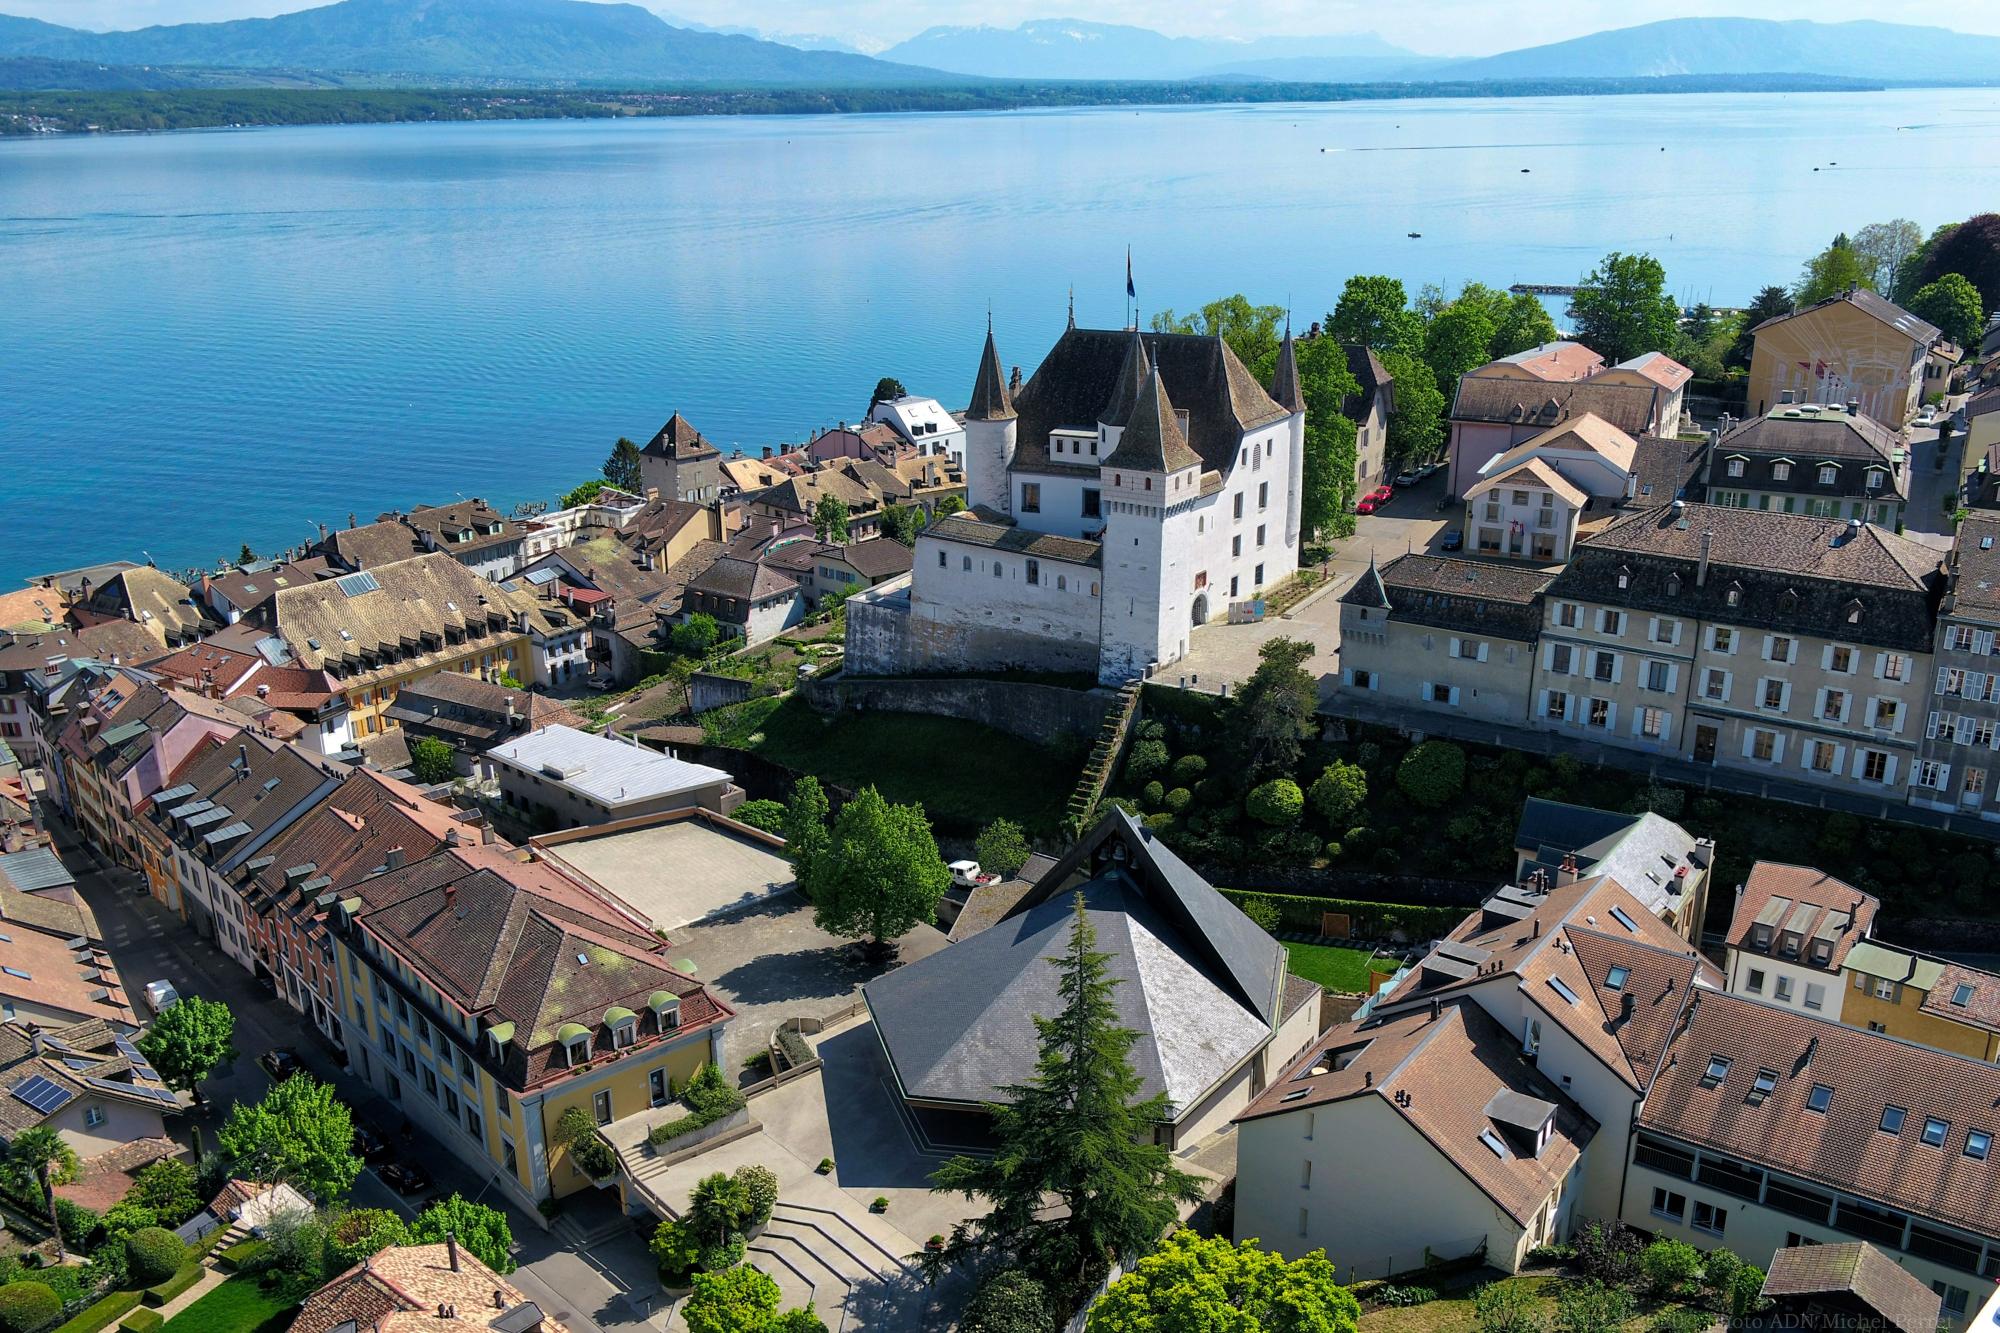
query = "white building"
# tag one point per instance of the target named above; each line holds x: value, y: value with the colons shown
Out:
x: 571, y: 778
x: 1790, y: 935
x: 1137, y: 487
x: 924, y: 423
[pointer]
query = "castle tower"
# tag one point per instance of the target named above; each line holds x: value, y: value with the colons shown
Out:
x: 989, y: 433
x: 1285, y: 389
x: 1124, y: 395
x: 1151, y: 484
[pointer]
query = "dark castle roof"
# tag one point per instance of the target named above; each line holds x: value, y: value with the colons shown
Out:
x: 1285, y: 390
x: 1470, y: 596
x: 1076, y: 382
x: 1152, y: 439
x: 989, y: 388
x: 680, y: 440
x: 1790, y: 573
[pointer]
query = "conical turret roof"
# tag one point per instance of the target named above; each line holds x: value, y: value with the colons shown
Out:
x: 990, y: 400
x: 1285, y: 379
x: 1153, y: 440
x: 1131, y: 376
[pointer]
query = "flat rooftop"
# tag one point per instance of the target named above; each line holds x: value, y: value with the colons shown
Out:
x: 609, y: 772
x: 678, y: 869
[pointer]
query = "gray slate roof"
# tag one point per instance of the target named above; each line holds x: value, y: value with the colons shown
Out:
x: 1641, y: 852
x: 992, y: 531
x: 1477, y: 596
x: 1152, y: 439
x: 34, y: 868
x: 989, y: 387
x: 1542, y: 404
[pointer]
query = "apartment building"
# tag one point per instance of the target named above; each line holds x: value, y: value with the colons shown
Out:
x: 1957, y: 761
x: 1791, y: 934
x: 1856, y: 346
x: 1777, y: 643
x: 1827, y: 460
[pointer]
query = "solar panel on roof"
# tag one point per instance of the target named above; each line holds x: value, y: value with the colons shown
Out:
x: 133, y: 1089
x: 356, y: 584
x: 44, y: 1096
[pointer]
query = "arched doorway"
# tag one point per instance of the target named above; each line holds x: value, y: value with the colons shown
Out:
x: 1201, y: 609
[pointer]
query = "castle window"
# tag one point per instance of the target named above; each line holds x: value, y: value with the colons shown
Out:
x: 1092, y: 505
x: 1149, y: 483
x: 942, y: 558
x: 1034, y: 572
x: 996, y: 569
x: 968, y: 564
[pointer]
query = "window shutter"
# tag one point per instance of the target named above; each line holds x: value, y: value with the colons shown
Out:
x: 1982, y: 642
x: 1940, y: 682
x: 1931, y: 727
x: 1454, y: 696
x: 1899, y: 993
x: 1860, y: 981
x: 1749, y: 742
x: 1826, y: 658
x: 1879, y: 664
x: 1944, y: 777
x: 1482, y: 652
x: 1889, y: 772
x: 1962, y: 731
x: 1453, y: 650
x: 1617, y: 668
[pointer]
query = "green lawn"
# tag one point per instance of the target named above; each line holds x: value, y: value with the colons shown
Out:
x: 1337, y: 969
x: 964, y: 774
x: 239, y: 1305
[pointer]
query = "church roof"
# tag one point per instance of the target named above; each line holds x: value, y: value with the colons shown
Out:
x: 990, y: 401
x: 1152, y: 441
x: 1285, y: 379
x: 1070, y: 388
x: 1133, y: 373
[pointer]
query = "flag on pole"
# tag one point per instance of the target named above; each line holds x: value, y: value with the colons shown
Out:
x: 1131, y: 292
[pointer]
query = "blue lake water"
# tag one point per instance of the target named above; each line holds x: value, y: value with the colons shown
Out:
x: 218, y: 337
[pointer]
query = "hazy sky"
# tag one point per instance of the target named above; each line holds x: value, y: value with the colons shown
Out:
x: 1441, y: 27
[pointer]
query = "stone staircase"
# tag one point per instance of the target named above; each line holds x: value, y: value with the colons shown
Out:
x: 1102, y: 765
x: 819, y: 1255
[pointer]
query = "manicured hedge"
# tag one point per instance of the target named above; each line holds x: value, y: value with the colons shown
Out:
x: 143, y: 1321
x: 103, y: 1314
x: 1300, y: 913
x: 173, y: 1286
x: 242, y: 1254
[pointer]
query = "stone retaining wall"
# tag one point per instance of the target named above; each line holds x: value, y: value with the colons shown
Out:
x: 1038, y: 713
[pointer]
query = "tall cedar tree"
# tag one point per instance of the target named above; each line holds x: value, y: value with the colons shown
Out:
x: 830, y: 520
x: 1274, y: 711
x: 1326, y: 488
x: 881, y: 874
x: 622, y: 468
x: 1073, y: 1132
x: 190, y: 1038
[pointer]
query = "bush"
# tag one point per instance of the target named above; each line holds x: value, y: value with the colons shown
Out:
x: 1607, y: 1251
x: 103, y: 1314
x: 127, y: 1217
x: 760, y: 1186
x: 1719, y: 1269
x: 1505, y: 1307
x: 1432, y: 773
x: 28, y: 1307
x: 1683, y: 1319
x: 1146, y: 759
x: 1339, y: 791
x: 1592, y: 1307
x: 1189, y: 769
x: 1278, y: 803
x: 724, y: 1254
x: 1745, y: 1296
x: 244, y: 1256
x: 1153, y: 730
x: 1368, y: 754
x: 80, y: 1226
x: 1671, y: 1266
x: 1008, y: 1302
x: 1179, y: 799
x: 153, y: 1254
x: 1152, y: 794
x: 1391, y: 1294
x: 143, y: 1321
x: 676, y: 1250
x: 363, y: 1232
x: 1262, y: 911
x: 696, y: 636
x: 766, y: 816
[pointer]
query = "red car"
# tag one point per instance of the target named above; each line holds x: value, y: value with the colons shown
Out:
x: 1365, y: 507
x: 1383, y: 494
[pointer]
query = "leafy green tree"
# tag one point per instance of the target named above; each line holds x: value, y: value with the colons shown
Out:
x: 1339, y: 791
x: 1275, y: 711
x: 1971, y: 248
x: 41, y: 1158
x: 482, y: 1230
x: 188, y: 1039
x: 882, y: 873
x: 355, y: 1235
x: 802, y: 1320
x: 1326, y: 482
x: 1829, y: 273
x: 1278, y: 803
x: 1706, y: 338
x: 582, y: 495
x: 951, y: 504
x: 1769, y: 303
x: 1001, y: 847
x: 1591, y: 1307
x: 1197, y: 1282
x: 431, y: 760
x: 696, y: 636
x: 902, y: 523
x: 677, y: 1250
x: 1416, y: 425
x: 621, y: 469
x: 887, y: 390
x: 829, y: 518
x: 300, y: 1133
x: 120, y: 1220
x: 1008, y: 1302
x: 1374, y: 311
x: 1671, y: 1266
x: 1506, y: 1307
x: 1074, y: 1134
x: 760, y: 1188
x: 168, y: 1188
x: 737, y: 1300
x: 28, y: 1306
x: 245, y: 555
x: 1457, y: 341
x: 1951, y: 303
x: 1884, y: 247
x: 1745, y: 1294
x: 767, y: 816
x: 1525, y: 323
x: 1250, y: 330
x: 1432, y: 773
x: 806, y: 832
x: 1622, y: 308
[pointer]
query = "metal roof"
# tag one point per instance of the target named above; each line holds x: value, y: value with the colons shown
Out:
x: 34, y: 868
x: 609, y: 772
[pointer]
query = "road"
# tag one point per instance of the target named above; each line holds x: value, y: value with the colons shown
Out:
x: 591, y: 1289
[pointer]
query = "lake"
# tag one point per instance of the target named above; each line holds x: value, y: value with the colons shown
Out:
x: 221, y: 337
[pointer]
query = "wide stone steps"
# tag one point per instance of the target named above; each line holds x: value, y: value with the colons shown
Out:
x: 821, y: 1255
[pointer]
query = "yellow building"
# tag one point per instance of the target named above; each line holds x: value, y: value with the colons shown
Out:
x: 377, y: 630
x: 1856, y: 347
x: 1922, y: 999
x: 486, y: 995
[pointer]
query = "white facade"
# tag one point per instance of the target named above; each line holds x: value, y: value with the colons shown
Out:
x: 924, y: 423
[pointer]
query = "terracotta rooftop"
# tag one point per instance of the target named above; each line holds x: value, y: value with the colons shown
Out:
x: 1859, y: 1270
x: 1801, y: 915
x: 402, y: 1289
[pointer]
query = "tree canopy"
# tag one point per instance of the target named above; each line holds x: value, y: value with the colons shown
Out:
x: 881, y: 874
x: 482, y: 1230
x: 696, y: 636
x: 1831, y: 272
x: 1326, y: 483
x: 1769, y: 303
x: 300, y: 1133
x: 188, y: 1039
x: 1952, y: 303
x: 1275, y: 711
x: 582, y: 495
x: 1250, y: 330
x: 1622, y: 308
x: 887, y: 390
x: 1971, y: 248
x: 1416, y: 426
x: 806, y: 831
x: 1001, y: 847
x: 1197, y: 1282
x: 1076, y: 1133
x: 621, y: 469
x: 41, y: 1157
x: 1374, y: 311
x: 829, y: 519
x: 431, y: 760
x: 1884, y: 247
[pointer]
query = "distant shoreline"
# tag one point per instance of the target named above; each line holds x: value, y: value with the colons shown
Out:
x: 30, y: 113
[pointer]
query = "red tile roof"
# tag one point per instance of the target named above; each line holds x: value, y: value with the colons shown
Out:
x: 1808, y: 902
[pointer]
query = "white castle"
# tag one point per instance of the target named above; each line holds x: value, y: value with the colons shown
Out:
x: 1134, y: 487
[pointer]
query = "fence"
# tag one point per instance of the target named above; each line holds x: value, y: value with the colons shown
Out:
x: 1436, y: 1259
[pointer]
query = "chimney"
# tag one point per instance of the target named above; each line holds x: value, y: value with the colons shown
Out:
x: 394, y: 858
x: 450, y: 896
x: 1701, y: 571
x: 263, y: 691
x: 767, y: 451
x: 451, y: 1248
x: 1014, y: 381
x: 1626, y: 1004
x: 1784, y: 397
x: 1437, y: 1008
x: 1566, y: 874
x: 350, y: 520
x: 1367, y: 1078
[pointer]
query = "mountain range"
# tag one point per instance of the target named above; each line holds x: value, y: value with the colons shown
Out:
x: 574, y: 43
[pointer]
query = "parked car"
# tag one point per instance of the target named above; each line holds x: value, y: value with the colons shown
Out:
x: 1432, y: 468
x: 369, y: 1144
x: 1365, y: 506
x: 280, y: 1063
x: 404, y: 1177
x: 1454, y: 540
x: 160, y: 994
x: 1928, y: 416
x: 968, y: 875
x: 1383, y: 494
x: 1407, y: 478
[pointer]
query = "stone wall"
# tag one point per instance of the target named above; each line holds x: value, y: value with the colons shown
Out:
x: 1038, y: 713
x: 885, y: 639
x: 707, y: 691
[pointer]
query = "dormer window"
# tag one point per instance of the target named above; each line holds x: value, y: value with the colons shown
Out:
x: 1854, y: 612
x: 1828, y: 474
x: 1763, y: 1085
x: 1735, y: 467
x: 666, y: 1010
x: 1734, y: 595
x: 1781, y: 472
x: 1822, y: 951
x: 1673, y: 585
x: 1718, y: 1068
x: 575, y: 1040
x: 1624, y: 577
x: 624, y: 1027
x: 1760, y: 938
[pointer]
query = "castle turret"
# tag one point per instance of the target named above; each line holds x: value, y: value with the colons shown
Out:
x: 1152, y: 481
x: 989, y: 432
x: 1124, y: 394
x: 1285, y: 390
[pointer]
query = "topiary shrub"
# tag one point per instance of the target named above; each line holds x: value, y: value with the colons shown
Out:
x: 153, y: 1254
x: 1189, y: 769
x: 1152, y: 794
x: 760, y: 1186
x: 1152, y: 731
x: 143, y: 1321
x: 1339, y: 791
x: 1161, y: 823
x: 1368, y: 754
x: 1146, y: 759
x: 1179, y: 799
x: 1671, y: 1266
x: 1432, y: 773
x: 1278, y: 803
x: 1008, y: 1302
x: 28, y: 1307
x: 81, y: 1228
x: 725, y: 1254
